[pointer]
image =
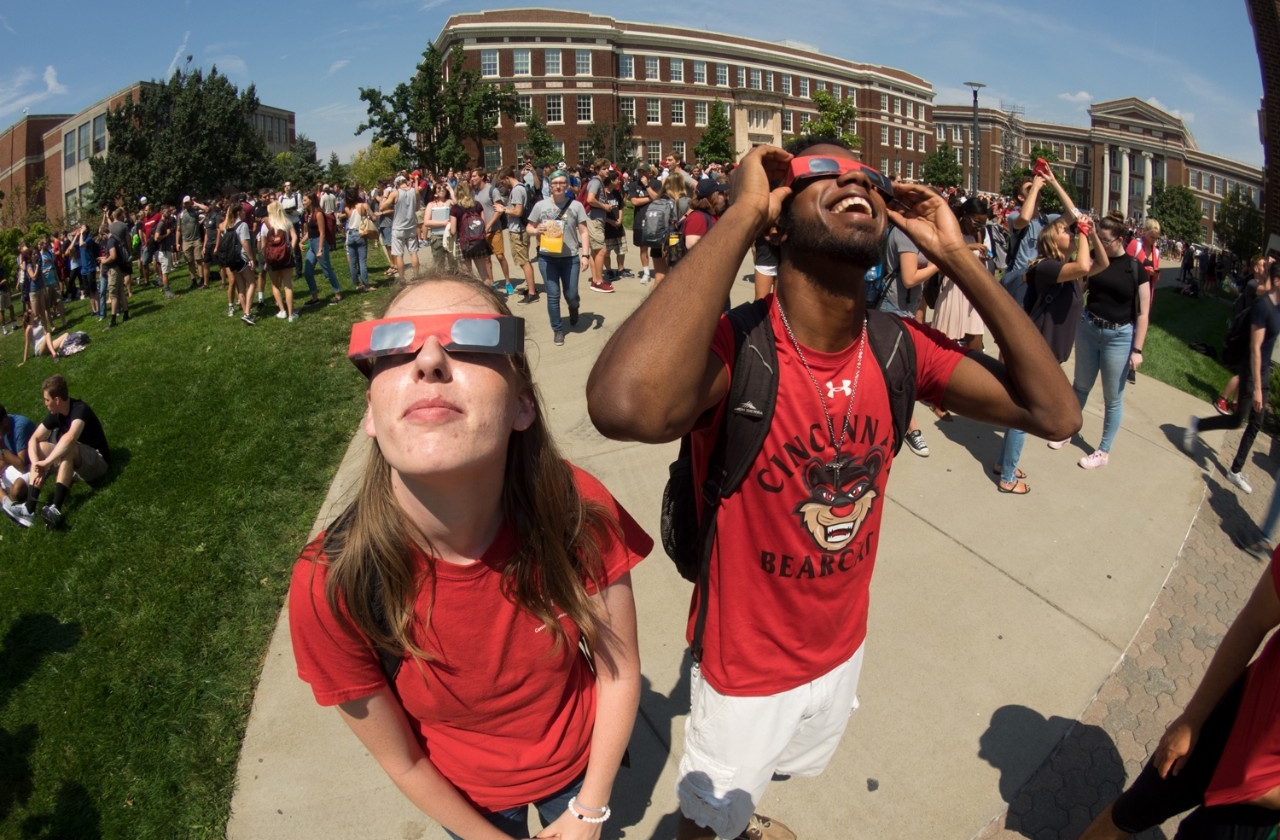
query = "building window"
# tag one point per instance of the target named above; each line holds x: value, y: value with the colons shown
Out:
x: 786, y: 83
x: 653, y: 150
x: 768, y: 81
x: 626, y: 67
x: 99, y: 134
x: 555, y: 108
x: 804, y: 87
x: 897, y: 166
x: 755, y: 79
x: 495, y: 118
x: 677, y: 69
x: 553, y: 62
x: 959, y: 156
x: 488, y: 62
x: 884, y: 164
x: 920, y: 140
x: 942, y: 133
x: 699, y: 72
x: 884, y: 135
x: 492, y: 157
x: 1222, y: 182
x: 652, y: 111
x: 911, y: 169
x: 724, y: 109
x: 821, y: 85
x: 955, y: 134
x: 677, y: 148
x: 524, y: 107
x: 884, y: 102
x: 677, y: 112
x: 742, y: 76
x: 584, y: 152
x: 627, y: 106
x: 68, y: 150
x: 805, y: 118
x: 70, y: 202
x: 786, y: 122
x: 584, y: 109
x: 521, y: 62
x: 582, y: 62
x: 893, y: 104
x: 1204, y: 206
x: 651, y: 68
x: 911, y: 139
x: 1195, y: 179
x: 897, y: 138
x: 722, y: 75
x: 699, y: 113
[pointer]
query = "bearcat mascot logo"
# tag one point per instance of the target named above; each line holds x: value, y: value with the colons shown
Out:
x: 841, y: 494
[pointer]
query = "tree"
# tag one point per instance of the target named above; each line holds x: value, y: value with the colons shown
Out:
x: 336, y: 172
x: 441, y: 110
x: 299, y: 165
x: 1048, y: 202
x: 836, y: 118
x: 539, y: 144
x: 941, y: 169
x: 716, y: 144
x: 615, y: 141
x: 379, y: 162
x: 191, y: 134
x: 1238, y: 225
x: 1178, y: 211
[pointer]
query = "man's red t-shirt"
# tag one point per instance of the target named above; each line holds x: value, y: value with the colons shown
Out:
x: 502, y: 714
x: 1250, y: 762
x: 792, y: 563
x: 148, y: 227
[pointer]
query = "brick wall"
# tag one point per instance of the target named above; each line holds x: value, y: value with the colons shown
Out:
x: 1265, y: 15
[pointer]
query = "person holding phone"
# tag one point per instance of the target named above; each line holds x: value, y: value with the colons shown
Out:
x: 470, y: 613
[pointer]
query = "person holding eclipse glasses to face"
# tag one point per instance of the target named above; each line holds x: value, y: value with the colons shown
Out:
x: 470, y: 613
x: 793, y: 549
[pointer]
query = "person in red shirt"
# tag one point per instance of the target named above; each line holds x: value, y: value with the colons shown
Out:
x: 443, y: 611
x: 1144, y: 249
x: 1221, y: 756
x: 795, y: 545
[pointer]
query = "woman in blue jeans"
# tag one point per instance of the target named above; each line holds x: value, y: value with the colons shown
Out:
x: 1053, y: 296
x: 318, y: 247
x: 560, y: 224
x: 354, y: 212
x: 1112, y: 331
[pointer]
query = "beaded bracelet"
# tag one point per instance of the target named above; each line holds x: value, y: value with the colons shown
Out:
x: 605, y: 812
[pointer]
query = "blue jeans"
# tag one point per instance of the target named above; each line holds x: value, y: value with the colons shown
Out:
x: 1105, y: 351
x: 314, y: 255
x: 358, y: 260
x: 1013, y: 441
x: 514, y: 822
x: 555, y: 271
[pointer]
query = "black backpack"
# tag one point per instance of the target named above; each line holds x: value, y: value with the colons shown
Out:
x: 228, y: 253
x: 753, y: 395
x: 1235, y: 345
x: 675, y: 248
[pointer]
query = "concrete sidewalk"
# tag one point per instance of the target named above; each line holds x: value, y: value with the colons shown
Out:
x: 996, y: 621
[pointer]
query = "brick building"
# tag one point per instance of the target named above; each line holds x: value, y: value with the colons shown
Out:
x: 576, y: 69
x: 44, y: 159
x: 1265, y: 17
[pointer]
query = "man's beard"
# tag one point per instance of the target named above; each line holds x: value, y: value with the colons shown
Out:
x: 859, y: 248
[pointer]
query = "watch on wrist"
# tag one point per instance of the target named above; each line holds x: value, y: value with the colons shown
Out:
x: 1137, y: 350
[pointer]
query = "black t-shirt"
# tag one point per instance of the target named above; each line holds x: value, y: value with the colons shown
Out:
x: 91, y: 435
x: 1265, y: 315
x: 117, y: 243
x: 165, y: 234
x: 638, y: 190
x: 1113, y: 292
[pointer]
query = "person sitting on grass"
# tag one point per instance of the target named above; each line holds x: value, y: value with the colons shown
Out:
x: 15, y: 432
x: 39, y: 342
x: 71, y: 444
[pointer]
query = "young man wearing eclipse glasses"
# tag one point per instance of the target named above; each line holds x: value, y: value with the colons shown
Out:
x: 795, y: 545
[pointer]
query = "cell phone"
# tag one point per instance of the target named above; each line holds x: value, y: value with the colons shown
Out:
x: 1132, y: 376
x: 1042, y: 167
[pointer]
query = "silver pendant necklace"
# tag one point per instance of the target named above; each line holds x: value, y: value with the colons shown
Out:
x: 837, y: 462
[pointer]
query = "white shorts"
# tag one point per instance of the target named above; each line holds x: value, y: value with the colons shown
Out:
x: 9, y: 476
x: 165, y: 258
x: 733, y: 746
x: 404, y: 242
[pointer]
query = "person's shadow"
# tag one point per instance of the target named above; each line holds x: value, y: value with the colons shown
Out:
x: 1062, y: 795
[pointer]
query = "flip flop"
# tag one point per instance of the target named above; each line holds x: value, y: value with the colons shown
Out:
x: 1019, y: 488
x: 997, y: 469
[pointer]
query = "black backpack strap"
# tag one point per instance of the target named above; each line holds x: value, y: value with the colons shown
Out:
x: 748, y: 412
x: 896, y: 354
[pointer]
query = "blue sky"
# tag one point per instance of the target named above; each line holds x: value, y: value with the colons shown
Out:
x: 313, y: 57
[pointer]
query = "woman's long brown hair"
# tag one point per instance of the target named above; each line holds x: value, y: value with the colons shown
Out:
x: 560, y: 536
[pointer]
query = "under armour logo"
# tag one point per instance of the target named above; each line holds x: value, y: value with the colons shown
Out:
x: 831, y: 389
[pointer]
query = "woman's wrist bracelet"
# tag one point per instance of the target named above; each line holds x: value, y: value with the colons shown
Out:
x: 604, y: 812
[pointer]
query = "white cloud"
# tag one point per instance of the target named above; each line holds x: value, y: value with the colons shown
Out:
x: 182, y: 48
x: 431, y: 4
x: 1186, y: 116
x: 1079, y: 98
x: 5, y: 23
x: 343, y: 112
x: 230, y: 65
x: 337, y: 65
x: 15, y: 94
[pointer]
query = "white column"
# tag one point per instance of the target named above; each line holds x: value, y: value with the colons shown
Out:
x: 1105, y: 204
x: 1146, y: 182
x: 1124, y: 181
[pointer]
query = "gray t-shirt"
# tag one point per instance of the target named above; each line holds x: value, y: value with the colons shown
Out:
x: 548, y: 211
x: 594, y: 188
x: 897, y: 296
x: 519, y: 197
x: 405, y: 217
x: 484, y: 197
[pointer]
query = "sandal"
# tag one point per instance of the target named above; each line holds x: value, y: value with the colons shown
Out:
x: 998, y: 469
x: 1018, y: 488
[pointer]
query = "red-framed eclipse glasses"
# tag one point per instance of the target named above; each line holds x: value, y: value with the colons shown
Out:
x: 465, y: 332
x: 809, y: 167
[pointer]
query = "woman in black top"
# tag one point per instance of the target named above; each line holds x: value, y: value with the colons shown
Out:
x: 1112, y: 330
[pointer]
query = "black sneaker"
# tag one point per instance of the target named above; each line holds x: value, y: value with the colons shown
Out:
x: 248, y: 319
x: 559, y: 337
x: 573, y: 316
x: 52, y: 516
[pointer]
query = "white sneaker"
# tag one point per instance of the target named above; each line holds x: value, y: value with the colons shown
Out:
x: 231, y: 310
x: 1240, y: 481
x: 1058, y: 444
x: 1096, y: 458
x: 1190, y: 435
x: 282, y: 314
x: 18, y: 512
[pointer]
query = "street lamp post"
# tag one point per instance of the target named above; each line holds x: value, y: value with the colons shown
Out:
x: 975, y: 150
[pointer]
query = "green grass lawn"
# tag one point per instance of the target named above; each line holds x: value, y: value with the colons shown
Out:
x: 132, y: 640
x: 1177, y: 322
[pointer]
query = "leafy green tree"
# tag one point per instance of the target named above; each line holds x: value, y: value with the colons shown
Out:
x: 336, y: 172
x: 437, y: 114
x: 1238, y: 225
x: 378, y: 162
x: 299, y: 165
x: 1049, y: 202
x: 1178, y: 211
x: 941, y: 168
x: 716, y: 143
x: 539, y: 144
x: 614, y: 141
x: 191, y: 134
x: 836, y: 118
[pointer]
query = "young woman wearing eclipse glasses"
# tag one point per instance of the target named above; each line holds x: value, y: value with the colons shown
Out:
x: 481, y: 570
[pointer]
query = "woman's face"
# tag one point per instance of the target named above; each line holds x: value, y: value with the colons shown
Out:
x: 1064, y: 239
x: 436, y: 414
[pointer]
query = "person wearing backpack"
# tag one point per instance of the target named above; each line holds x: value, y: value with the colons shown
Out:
x: 277, y: 252
x: 560, y: 224
x: 469, y: 231
x: 1026, y: 221
x: 789, y: 560
x: 1235, y: 345
x: 662, y: 221
x: 115, y: 261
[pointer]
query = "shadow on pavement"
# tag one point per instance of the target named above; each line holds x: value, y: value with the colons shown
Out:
x: 634, y: 790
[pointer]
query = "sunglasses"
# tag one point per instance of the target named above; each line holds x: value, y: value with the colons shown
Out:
x: 457, y: 333
x: 808, y: 168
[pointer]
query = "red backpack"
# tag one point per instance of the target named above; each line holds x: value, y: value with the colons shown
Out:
x: 276, y: 249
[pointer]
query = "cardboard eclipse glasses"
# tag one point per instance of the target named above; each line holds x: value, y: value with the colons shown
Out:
x: 809, y: 168
x: 467, y: 332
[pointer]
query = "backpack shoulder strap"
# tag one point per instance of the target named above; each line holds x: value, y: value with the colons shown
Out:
x: 896, y: 354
